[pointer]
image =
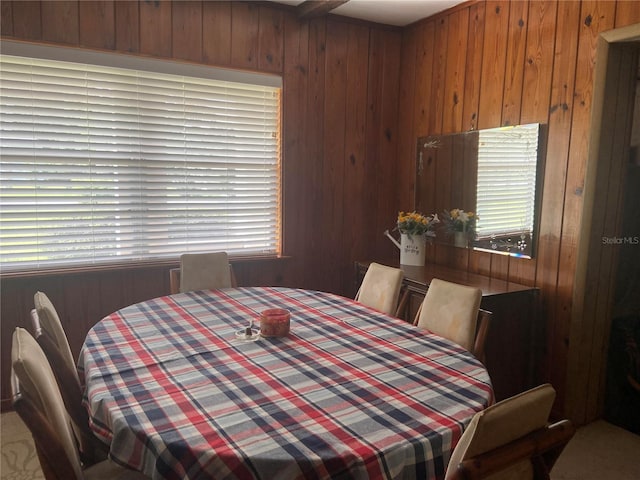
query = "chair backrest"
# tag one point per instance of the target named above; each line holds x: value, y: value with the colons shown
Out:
x: 451, y: 310
x: 202, y: 271
x: 38, y: 402
x: 91, y: 450
x: 511, y: 439
x: 48, y: 322
x: 380, y: 288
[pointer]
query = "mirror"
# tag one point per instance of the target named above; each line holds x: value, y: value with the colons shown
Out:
x: 494, y: 173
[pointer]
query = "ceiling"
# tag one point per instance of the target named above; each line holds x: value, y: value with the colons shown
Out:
x: 389, y: 12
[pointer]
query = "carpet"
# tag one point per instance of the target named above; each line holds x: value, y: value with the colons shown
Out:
x: 19, y: 458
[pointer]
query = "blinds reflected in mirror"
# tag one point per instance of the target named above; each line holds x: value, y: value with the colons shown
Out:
x: 507, y: 165
x: 494, y: 173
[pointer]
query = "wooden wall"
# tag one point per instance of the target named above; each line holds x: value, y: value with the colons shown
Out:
x: 356, y: 97
x: 602, y: 266
x: 340, y: 94
x: 492, y: 63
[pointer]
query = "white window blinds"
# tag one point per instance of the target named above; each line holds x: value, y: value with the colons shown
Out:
x: 103, y: 164
x: 507, y: 163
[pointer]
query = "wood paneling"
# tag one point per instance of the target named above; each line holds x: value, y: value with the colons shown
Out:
x: 6, y: 18
x: 216, y: 33
x: 438, y: 75
x: 245, y: 26
x: 455, y: 71
x: 60, y: 22
x: 560, y: 119
x: 270, y: 40
x: 355, y: 98
x: 595, y: 18
x: 524, y: 62
x: 494, y: 57
x: 331, y: 213
x: 538, y: 66
x: 358, y: 172
x: 339, y: 137
x: 406, y: 144
x: 97, y: 25
x: 155, y: 28
x: 186, y: 38
x: 127, y: 26
x: 538, y: 69
x: 473, y: 67
x: 27, y: 20
x: 627, y: 13
x: 312, y: 177
x: 294, y: 138
x: 382, y: 134
x: 514, y: 71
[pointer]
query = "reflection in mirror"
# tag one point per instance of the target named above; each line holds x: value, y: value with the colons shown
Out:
x: 491, y: 172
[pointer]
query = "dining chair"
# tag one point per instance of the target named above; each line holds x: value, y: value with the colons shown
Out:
x: 50, y: 335
x: 47, y: 321
x: 202, y: 271
x: 37, y: 400
x: 451, y: 311
x: 511, y: 439
x: 380, y: 288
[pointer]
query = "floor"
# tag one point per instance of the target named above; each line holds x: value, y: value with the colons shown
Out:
x: 602, y: 451
x: 19, y: 460
x: 599, y: 451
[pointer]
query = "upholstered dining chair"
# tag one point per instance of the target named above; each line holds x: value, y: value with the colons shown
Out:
x: 47, y: 321
x: 38, y: 402
x: 50, y: 335
x: 452, y: 310
x: 380, y: 288
x: 201, y: 271
x: 511, y: 440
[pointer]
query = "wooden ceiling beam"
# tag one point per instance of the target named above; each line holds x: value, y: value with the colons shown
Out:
x: 317, y: 8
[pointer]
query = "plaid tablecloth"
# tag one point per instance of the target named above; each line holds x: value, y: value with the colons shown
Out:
x: 350, y: 393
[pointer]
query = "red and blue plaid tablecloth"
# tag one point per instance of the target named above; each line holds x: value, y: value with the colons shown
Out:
x: 350, y: 393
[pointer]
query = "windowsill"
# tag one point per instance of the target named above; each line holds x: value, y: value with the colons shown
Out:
x: 80, y: 269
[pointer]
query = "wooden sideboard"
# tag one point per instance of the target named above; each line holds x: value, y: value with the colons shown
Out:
x: 514, y: 339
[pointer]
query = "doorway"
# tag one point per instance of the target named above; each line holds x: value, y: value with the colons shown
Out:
x: 601, y: 236
x: 622, y: 390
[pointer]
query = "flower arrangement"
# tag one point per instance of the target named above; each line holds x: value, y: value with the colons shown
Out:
x: 415, y: 223
x: 458, y: 220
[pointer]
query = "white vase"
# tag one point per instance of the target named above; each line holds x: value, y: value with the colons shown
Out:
x: 460, y: 239
x: 412, y: 249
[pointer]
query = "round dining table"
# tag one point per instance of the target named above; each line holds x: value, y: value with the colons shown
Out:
x: 177, y: 389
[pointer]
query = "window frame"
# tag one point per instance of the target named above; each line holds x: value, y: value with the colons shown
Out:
x: 165, y: 66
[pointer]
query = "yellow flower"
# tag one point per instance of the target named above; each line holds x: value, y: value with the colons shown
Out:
x: 415, y: 223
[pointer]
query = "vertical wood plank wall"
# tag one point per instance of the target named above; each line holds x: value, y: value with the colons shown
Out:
x: 356, y: 96
x: 340, y: 95
x: 522, y: 62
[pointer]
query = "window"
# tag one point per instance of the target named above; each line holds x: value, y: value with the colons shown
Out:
x: 107, y: 164
x: 506, y: 188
